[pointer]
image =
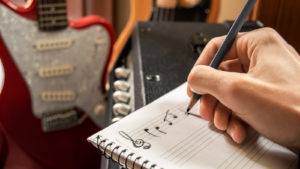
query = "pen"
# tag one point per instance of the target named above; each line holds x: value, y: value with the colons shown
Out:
x: 227, y: 43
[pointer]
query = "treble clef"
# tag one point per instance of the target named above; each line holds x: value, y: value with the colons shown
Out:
x: 136, y: 143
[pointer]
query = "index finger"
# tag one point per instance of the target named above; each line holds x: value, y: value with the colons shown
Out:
x: 211, y: 49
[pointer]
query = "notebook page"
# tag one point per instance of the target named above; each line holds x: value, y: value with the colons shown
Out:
x: 172, y: 139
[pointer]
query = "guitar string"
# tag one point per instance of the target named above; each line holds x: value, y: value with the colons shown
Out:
x: 164, y: 14
x: 49, y: 13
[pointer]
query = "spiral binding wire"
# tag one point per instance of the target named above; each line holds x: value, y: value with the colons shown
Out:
x: 109, y: 156
x: 129, y: 155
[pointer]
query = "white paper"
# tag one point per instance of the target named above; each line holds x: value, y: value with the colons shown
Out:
x: 185, y: 141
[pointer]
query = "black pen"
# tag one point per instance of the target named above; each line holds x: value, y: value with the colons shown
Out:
x: 227, y: 43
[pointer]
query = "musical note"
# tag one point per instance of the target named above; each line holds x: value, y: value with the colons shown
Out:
x: 147, y: 131
x: 189, y: 114
x: 136, y: 143
x: 169, y: 114
x: 158, y: 129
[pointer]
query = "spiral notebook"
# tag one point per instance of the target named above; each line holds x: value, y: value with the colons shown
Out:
x: 161, y: 135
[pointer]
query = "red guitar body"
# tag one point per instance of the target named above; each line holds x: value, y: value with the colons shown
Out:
x: 64, y: 149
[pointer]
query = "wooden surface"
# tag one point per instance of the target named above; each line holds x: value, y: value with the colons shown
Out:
x: 139, y: 11
x: 99, y: 7
x: 282, y: 15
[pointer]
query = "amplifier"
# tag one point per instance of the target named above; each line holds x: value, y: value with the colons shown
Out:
x: 157, y: 58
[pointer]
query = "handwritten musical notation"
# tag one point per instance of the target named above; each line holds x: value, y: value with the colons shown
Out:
x: 167, y: 115
x: 167, y: 118
x: 156, y: 127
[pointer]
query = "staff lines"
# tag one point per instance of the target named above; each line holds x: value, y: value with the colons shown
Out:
x: 182, y: 143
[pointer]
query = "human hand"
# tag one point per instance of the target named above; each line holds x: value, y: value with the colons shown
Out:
x: 258, y: 82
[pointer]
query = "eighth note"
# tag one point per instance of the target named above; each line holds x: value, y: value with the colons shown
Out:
x: 169, y: 114
x: 147, y: 131
x: 158, y: 129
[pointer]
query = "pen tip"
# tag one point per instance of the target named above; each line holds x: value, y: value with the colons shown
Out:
x: 187, y: 110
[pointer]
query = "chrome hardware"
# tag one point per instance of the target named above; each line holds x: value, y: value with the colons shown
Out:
x: 121, y: 109
x: 116, y: 119
x: 120, y: 96
x: 154, y: 78
x: 121, y: 85
x: 122, y: 73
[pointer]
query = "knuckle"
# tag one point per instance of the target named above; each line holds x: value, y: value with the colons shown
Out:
x: 270, y: 31
x: 214, y: 41
x: 269, y: 35
x: 192, y: 78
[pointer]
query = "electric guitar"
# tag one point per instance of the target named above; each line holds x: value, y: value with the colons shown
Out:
x: 54, y: 70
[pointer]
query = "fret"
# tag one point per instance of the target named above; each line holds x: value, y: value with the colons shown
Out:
x: 52, y: 15
x: 53, y: 18
x: 52, y: 28
x: 51, y: 24
x: 62, y: 11
x: 52, y: 5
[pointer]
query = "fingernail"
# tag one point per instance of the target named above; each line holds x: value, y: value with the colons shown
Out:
x: 231, y: 134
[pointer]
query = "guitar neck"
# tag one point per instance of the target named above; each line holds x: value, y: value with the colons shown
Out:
x: 52, y: 15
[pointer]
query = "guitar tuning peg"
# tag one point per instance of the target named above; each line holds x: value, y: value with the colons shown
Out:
x: 121, y: 109
x: 121, y: 85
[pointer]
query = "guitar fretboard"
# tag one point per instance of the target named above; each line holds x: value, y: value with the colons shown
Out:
x: 52, y: 15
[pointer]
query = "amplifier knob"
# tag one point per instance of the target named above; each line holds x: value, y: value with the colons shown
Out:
x: 122, y: 73
x: 121, y: 109
x: 121, y: 85
x: 115, y: 119
x: 120, y: 96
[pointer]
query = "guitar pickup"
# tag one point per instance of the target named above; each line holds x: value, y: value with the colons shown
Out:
x: 44, y: 45
x: 56, y: 71
x: 58, y: 96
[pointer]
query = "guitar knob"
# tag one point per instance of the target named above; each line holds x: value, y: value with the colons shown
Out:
x: 120, y: 96
x: 121, y: 85
x: 122, y: 73
x: 121, y: 109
